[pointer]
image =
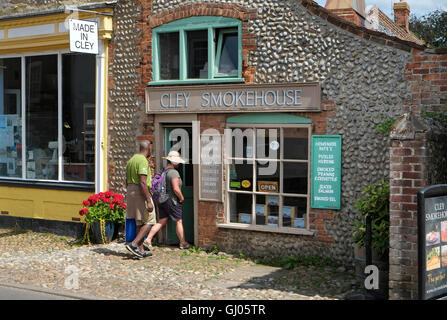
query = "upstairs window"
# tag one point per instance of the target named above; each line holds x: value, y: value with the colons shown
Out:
x: 197, y: 49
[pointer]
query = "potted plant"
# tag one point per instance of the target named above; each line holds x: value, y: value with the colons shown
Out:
x: 102, y: 211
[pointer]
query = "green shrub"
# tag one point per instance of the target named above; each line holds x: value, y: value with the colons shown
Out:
x: 375, y: 204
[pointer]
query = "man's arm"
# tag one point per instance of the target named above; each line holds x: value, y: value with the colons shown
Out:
x: 145, y: 189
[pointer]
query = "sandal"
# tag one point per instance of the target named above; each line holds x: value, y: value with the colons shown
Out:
x: 148, y: 247
x: 185, y: 246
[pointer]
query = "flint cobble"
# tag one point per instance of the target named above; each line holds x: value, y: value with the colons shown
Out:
x: 111, y: 272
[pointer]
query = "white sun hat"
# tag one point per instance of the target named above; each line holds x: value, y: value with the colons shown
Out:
x: 174, y: 157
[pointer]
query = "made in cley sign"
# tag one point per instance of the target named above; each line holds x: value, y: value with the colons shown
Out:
x: 234, y: 98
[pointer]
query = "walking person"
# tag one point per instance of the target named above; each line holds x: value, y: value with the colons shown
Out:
x: 139, y: 200
x: 173, y: 207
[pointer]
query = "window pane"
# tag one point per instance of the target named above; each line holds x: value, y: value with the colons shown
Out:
x: 78, y: 78
x: 197, y: 54
x: 241, y: 175
x: 267, y: 208
x: 41, y: 117
x: 267, y: 176
x: 10, y: 118
x: 267, y: 143
x: 295, y: 178
x: 228, y: 63
x: 294, y: 212
x: 296, y: 143
x: 240, y: 207
x: 169, y: 56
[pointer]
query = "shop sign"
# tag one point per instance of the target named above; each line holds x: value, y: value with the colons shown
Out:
x: 234, y: 98
x: 210, y: 173
x: 432, y: 242
x: 326, y: 172
x: 83, y: 36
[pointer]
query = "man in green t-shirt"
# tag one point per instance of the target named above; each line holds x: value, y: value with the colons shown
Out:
x: 138, y: 197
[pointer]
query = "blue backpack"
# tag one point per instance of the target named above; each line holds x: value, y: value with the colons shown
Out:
x: 159, y: 194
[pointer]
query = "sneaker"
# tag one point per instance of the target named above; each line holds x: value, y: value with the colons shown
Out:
x: 148, y: 247
x: 134, y: 250
x: 146, y: 254
x: 185, y: 246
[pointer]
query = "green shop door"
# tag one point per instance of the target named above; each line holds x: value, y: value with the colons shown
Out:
x: 180, y: 139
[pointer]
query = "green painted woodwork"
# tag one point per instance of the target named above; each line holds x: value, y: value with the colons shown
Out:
x: 326, y: 172
x: 267, y: 118
x: 197, y: 23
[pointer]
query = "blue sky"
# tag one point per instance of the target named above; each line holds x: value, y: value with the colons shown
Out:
x: 417, y: 7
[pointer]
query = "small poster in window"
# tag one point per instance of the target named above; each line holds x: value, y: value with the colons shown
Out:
x: 260, y: 209
x: 288, y: 212
x: 272, y: 221
x: 272, y: 200
x: 245, y: 218
x: 298, y: 223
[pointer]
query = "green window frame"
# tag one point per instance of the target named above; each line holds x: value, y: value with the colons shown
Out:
x: 215, y: 41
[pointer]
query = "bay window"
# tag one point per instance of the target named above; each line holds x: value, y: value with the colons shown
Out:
x: 47, y: 117
x: 268, y: 168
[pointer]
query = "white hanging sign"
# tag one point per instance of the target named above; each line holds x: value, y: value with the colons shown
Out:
x: 83, y: 36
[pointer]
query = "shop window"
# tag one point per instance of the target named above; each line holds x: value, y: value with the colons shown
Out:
x: 58, y: 143
x: 268, y: 176
x: 197, y: 49
x: 10, y: 118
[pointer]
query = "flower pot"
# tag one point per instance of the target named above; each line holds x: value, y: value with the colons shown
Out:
x: 130, y: 230
x: 99, y: 236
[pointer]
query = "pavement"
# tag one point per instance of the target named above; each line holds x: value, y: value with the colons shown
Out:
x: 57, y: 268
x: 23, y: 292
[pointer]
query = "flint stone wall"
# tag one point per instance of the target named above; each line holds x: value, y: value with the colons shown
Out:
x: 363, y: 78
x: 126, y: 109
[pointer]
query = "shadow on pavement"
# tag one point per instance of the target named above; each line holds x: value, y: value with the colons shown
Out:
x: 108, y: 252
x: 302, y: 281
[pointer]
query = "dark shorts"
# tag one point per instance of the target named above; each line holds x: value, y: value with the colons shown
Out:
x: 169, y: 210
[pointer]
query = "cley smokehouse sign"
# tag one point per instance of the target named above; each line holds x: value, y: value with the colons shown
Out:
x: 233, y: 98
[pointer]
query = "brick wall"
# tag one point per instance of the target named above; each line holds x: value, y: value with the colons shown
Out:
x: 414, y: 165
x: 426, y: 74
x: 408, y: 173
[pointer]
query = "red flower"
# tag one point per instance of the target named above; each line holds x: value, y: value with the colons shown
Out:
x: 112, y: 206
x: 108, y: 194
x: 83, y: 212
x: 124, y: 206
x: 85, y: 203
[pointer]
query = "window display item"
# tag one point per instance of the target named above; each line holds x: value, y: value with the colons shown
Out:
x: 245, y: 218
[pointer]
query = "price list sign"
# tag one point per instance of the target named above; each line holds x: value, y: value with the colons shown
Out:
x: 326, y: 172
x: 432, y: 240
x: 210, y: 173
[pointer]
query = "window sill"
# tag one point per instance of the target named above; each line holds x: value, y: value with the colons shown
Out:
x: 240, y: 226
x: 195, y: 81
x: 54, y: 185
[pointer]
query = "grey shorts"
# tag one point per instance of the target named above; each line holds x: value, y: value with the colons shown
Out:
x: 169, y: 210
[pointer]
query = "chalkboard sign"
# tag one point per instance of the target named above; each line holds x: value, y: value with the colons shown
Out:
x: 432, y: 242
x: 210, y: 173
x: 326, y: 172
